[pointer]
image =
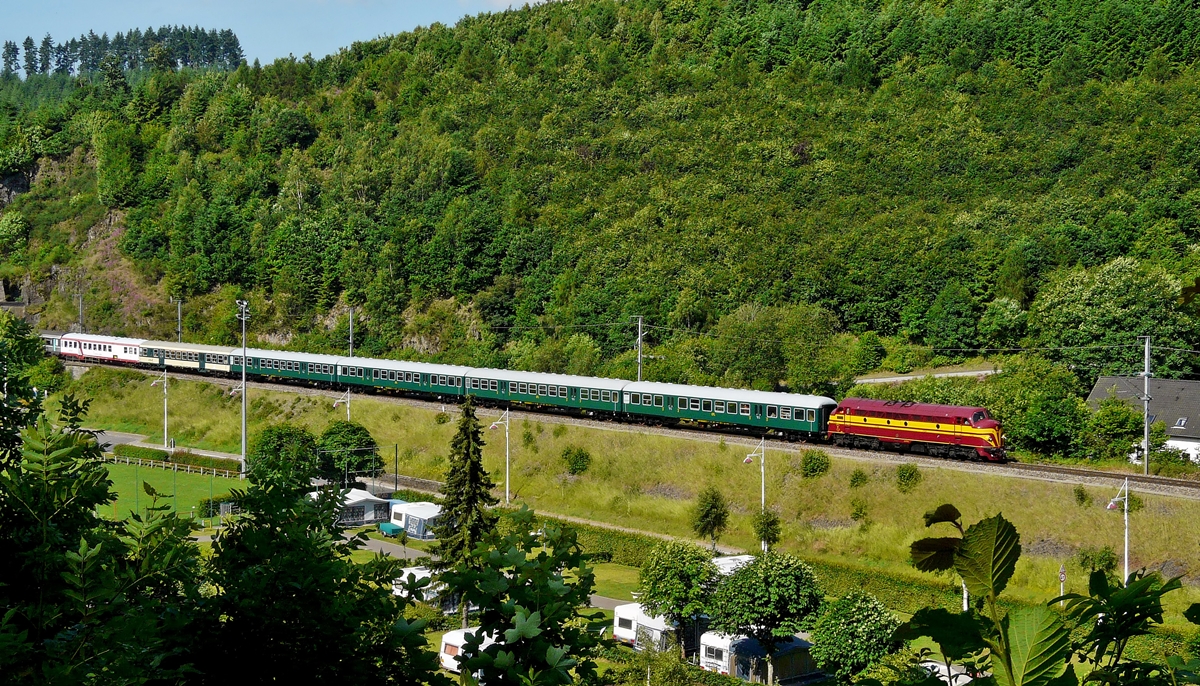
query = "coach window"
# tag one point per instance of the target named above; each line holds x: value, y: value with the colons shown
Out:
x: 683, y: 403
x: 785, y: 413
x: 772, y: 412
x: 694, y: 404
x: 494, y: 385
x: 812, y: 415
x: 721, y: 406
x: 707, y: 405
x: 658, y: 401
x: 746, y: 409
x: 606, y: 396
x: 541, y: 389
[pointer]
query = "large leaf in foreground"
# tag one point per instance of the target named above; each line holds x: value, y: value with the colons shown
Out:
x: 1039, y: 646
x: 934, y: 554
x: 988, y: 556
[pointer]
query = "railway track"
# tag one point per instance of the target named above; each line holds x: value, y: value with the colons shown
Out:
x: 1183, y: 488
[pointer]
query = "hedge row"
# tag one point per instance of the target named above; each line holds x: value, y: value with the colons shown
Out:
x: 185, y: 457
x: 410, y: 496
x: 608, y: 545
x: 138, y: 452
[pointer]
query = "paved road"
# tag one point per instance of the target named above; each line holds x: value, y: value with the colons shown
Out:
x: 600, y: 602
x: 392, y: 549
x: 110, y: 438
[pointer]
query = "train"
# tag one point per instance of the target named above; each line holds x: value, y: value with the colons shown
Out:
x: 936, y: 430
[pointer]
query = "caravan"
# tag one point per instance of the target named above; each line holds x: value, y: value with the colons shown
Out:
x: 744, y: 657
x: 633, y: 627
x: 418, y: 519
x: 452, y: 646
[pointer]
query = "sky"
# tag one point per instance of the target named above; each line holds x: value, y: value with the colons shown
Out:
x: 267, y: 29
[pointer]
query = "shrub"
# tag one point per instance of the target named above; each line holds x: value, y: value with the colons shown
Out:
x: 858, y: 509
x: 577, y: 460
x: 767, y: 527
x: 813, y: 464
x: 1135, y: 502
x: 1082, y: 497
x: 908, y: 477
x: 1097, y: 559
x: 528, y: 439
x: 854, y: 633
x: 858, y: 478
x: 437, y: 620
x: 560, y: 430
x: 441, y: 418
x: 138, y: 452
x: 211, y: 507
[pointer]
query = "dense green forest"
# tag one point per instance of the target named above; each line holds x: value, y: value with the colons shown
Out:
x: 789, y: 193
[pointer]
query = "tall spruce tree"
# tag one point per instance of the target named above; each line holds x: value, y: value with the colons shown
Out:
x: 45, y: 54
x: 465, y: 518
x: 10, y: 58
x: 31, y: 65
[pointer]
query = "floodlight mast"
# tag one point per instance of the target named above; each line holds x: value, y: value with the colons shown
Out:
x: 243, y: 315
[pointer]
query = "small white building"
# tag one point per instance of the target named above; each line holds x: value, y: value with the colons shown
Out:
x: 417, y: 519
x: 452, y: 647
x: 633, y: 627
x: 360, y: 508
x: 744, y: 657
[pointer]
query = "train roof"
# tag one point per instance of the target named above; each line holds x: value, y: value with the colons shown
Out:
x: 191, y: 347
x: 908, y: 407
x: 93, y: 338
x: 735, y: 394
x: 550, y: 379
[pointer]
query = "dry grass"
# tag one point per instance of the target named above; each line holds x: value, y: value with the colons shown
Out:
x: 648, y: 481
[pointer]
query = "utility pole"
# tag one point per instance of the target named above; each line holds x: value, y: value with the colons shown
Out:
x: 163, y: 381
x: 504, y: 419
x: 639, y: 345
x: 1146, y: 410
x: 243, y: 315
x: 178, y: 318
x: 761, y: 453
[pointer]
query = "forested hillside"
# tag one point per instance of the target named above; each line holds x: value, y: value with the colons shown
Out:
x: 788, y: 192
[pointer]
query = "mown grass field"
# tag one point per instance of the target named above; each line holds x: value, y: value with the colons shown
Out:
x: 177, y: 490
x: 648, y: 481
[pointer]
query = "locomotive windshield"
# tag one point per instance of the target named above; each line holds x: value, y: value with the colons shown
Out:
x: 978, y: 416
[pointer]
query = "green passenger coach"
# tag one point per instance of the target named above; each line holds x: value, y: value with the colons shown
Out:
x: 783, y: 414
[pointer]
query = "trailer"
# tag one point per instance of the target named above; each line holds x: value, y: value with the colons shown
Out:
x: 452, y: 647
x: 744, y: 657
x: 633, y: 627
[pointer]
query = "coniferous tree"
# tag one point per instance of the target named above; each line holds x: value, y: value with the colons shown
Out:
x: 10, y: 58
x: 30, y: 57
x: 711, y: 515
x: 465, y: 518
x: 45, y: 54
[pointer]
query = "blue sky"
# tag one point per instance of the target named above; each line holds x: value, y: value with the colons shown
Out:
x: 267, y: 28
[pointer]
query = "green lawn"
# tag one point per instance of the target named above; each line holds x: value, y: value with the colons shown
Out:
x: 616, y: 581
x: 177, y: 489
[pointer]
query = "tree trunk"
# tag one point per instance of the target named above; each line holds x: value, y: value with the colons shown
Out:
x: 770, y: 671
x: 462, y: 608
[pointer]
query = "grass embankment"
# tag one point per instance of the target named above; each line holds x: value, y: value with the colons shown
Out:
x: 648, y: 481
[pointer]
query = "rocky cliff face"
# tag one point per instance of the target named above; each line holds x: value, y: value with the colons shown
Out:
x: 11, y: 186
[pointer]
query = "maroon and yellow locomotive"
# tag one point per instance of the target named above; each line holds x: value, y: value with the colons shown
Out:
x: 936, y: 430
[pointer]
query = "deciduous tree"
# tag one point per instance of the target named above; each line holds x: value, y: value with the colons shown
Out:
x: 676, y: 582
